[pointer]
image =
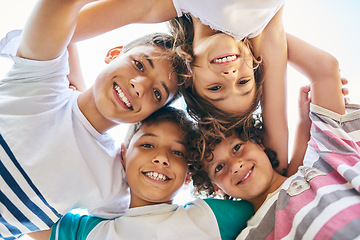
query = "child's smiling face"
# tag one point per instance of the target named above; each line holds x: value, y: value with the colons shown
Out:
x: 155, y: 163
x: 224, y: 74
x: 241, y: 169
x: 135, y: 84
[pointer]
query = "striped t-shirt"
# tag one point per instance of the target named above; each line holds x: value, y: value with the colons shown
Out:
x: 322, y: 200
x: 51, y: 158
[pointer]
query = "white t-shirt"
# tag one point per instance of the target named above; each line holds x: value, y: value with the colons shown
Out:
x: 52, y: 159
x: 238, y: 18
x: 199, y: 220
x: 162, y: 221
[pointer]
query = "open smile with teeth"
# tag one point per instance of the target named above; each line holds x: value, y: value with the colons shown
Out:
x: 156, y: 176
x: 225, y: 59
x: 122, y: 96
x: 246, y: 176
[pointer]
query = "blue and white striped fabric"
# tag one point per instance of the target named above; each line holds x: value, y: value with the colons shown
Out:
x: 20, y: 189
x: 52, y: 159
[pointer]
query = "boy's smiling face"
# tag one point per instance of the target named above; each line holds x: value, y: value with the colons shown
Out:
x: 135, y: 84
x: 240, y: 169
x: 155, y: 163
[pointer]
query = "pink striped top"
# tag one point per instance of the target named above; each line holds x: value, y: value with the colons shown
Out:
x: 322, y: 200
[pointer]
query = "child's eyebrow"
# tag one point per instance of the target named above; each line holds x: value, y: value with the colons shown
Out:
x: 223, y: 98
x: 154, y: 135
x: 147, y: 57
x: 149, y: 60
x: 166, y: 89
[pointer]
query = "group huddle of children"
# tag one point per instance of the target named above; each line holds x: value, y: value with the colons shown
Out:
x: 226, y: 58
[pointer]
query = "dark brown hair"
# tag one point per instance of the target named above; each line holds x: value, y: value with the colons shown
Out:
x: 164, y: 114
x: 204, y: 146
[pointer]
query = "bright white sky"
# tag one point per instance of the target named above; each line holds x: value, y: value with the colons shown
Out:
x: 328, y: 24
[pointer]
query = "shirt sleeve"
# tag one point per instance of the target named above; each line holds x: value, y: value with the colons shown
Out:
x: 231, y: 215
x: 74, y: 226
x: 335, y: 141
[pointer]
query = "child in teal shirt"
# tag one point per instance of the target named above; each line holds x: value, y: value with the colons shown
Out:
x: 155, y: 159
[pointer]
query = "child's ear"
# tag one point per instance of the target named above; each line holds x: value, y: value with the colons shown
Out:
x: 122, y: 154
x: 187, y: 179
x: 218, y: 190
x: 113, y: 53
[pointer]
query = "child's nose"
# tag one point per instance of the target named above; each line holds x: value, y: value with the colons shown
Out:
x: 236, y: 167
x: 160, y: 161
x: 138, y: 86
x: 230, y: 74
x: 161, y: 158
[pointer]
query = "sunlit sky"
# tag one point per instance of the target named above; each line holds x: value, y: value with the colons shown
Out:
x: 328, y: 24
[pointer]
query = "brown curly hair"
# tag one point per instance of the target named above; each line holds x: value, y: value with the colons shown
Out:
x: 203, y: 146
x: 206, y: 114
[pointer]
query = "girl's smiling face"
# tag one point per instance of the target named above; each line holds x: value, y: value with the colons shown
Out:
x: 240, y: 169
x: 155, y: 163
x: 223, y: 73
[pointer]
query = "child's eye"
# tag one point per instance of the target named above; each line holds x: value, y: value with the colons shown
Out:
x: 243, y: 81
x: 147, y: 145
x: 214, y: 88
x: 157, y: 95
x: 139, y: 65
x: 219, y: 167
x: 179, y: 153
x: 236, y: 147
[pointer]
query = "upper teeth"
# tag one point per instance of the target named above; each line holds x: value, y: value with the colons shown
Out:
x: 122, y: 96
x: 156, y: 176
x: 225, y: 59
x: 247, y: 175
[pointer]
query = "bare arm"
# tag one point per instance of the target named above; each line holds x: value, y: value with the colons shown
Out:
x: 323, y: 71
x: 302, y: 132
x: 271, y: 46
x: 106, y: 15
x: 40, y: 235
x: 49, y: 28
x: 75, y: 76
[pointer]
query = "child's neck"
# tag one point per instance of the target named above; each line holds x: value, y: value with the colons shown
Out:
x: 87, y: 106
x: 201, y: 30
x: 139, y: 202
x: 277, y: 181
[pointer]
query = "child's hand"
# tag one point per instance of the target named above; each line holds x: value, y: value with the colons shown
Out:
x: 72, y: 87
x: 344, y: 90
x: 304, y: 100
x: 304, y: 104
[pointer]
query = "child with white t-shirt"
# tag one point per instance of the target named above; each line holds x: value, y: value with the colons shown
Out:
x: 155, y: 159
x: 55, y: 154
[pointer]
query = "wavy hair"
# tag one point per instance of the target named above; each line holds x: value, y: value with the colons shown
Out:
x: 211, y: 119
x: 203, y: 146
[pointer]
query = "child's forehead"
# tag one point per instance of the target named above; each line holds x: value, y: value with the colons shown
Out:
x: 230, y: 140
x: 162, y: 129
x: 150, y: 51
